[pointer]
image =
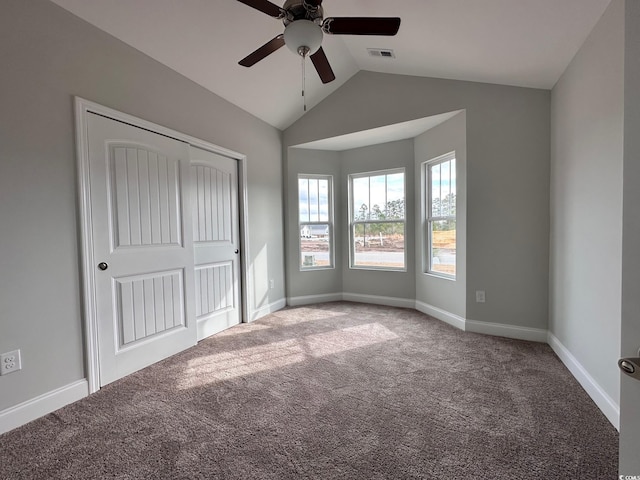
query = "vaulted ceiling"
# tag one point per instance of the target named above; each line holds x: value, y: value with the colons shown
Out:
x: 525, y: 43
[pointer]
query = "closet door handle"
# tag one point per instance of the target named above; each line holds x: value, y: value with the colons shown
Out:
x: 630, y: 366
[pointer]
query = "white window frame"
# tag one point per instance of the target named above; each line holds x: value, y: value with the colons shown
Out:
x: 353, y: 223
x: 429, y: 218
x: 328, y: 222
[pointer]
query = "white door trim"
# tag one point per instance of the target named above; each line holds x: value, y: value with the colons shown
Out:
x: 82, y: 109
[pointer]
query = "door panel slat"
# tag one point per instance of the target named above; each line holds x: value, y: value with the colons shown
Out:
x: 146, y: 199
x: 214, y: 288
x: 149, y: 305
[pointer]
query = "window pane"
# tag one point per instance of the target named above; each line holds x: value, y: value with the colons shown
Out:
x: 452, y: 201
x: 323, y: 195
x: 315, y: 246
x: 313, y: 200
x: 443, y: 247
x: 453, y: 176
x: 395, y: 197
x: 360, y: 198
x: 445, y: 187
x: 378, y: 245
x: 303, y: 199
x: 395, y: 186
x: 436, y: 208
x: 378, y: 197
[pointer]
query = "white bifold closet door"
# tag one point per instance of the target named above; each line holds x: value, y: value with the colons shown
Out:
x: 214, y: 180
x: 143, y: 251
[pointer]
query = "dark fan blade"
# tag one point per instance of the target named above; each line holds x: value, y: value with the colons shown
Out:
x: 265, y: 6
x: 265, y: 50
x: 313, y: 3
x: 362, y: 25
x: 321, y: 63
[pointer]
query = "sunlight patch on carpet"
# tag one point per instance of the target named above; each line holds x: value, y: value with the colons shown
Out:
x: 302, y: 315
x: 243, y: 328
x: 231, y: 364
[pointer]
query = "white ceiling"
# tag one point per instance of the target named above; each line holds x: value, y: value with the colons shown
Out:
x: 513, y: 42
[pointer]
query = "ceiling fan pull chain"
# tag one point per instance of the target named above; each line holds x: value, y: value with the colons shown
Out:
x: 304, y: 99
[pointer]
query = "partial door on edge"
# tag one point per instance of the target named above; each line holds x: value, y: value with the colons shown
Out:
x: 214, y: 180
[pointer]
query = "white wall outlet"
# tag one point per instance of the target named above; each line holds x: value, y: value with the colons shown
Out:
x: 272, y: 283
x: 10, y: 362
x: 480, y: 297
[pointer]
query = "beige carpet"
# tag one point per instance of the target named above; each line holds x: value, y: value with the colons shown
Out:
x: 334, y: 391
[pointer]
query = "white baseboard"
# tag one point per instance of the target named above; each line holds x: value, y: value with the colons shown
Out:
x: 442, y: 315
x: 509, y: 331
x: 350, y: 297
x: 267, y: 309
x: 379, y: 300
x: 37, y: 407
x: 604, y: 402
x: 311, y: 299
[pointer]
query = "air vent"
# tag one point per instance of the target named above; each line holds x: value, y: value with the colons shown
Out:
x: 380, y: 52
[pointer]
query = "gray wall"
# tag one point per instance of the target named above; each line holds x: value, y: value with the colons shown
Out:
x: 342, y: 279
x: 48, y: 56
x: 312, y: 282
x: 439, y: 292
x: 587, y: 110
x: 507, y: 176
x: 393, y: 284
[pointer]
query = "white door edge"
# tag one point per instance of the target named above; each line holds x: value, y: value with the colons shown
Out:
x: 83, y: 108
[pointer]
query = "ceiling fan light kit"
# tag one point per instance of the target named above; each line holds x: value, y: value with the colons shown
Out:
x: 303, y: 37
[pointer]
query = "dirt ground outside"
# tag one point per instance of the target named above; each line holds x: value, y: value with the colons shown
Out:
x: 444, y: 242
x: 445, y: 239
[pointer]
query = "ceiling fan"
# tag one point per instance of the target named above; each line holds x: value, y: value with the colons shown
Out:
x: 304, y: 27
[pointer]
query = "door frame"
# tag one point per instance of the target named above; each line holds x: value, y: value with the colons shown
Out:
x: 83, y: 108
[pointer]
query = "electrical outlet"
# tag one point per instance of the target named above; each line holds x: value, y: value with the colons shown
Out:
x: 272, y: 283
x: 480, y: 297
x: 10, y: 362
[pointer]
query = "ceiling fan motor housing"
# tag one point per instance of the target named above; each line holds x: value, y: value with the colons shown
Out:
x: 302, y: 10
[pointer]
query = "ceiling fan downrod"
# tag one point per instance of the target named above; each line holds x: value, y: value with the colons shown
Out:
x: 303, y: 51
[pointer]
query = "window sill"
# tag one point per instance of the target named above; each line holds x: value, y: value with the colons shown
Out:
x: 378, y: 269
x: 440, y: 276
x: 315, y: 269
